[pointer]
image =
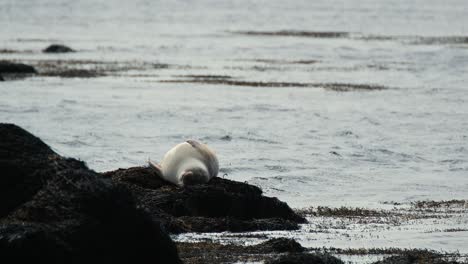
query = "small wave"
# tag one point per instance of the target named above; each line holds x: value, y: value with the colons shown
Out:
x: 75, y: 143
x: 400, y: 156
x: 453, y: 161
x: 271, y: 108
x: 21, y: 111
x: 276, y: 168
x: 283, y: 61
x: 346, y: 133
x: 67, y: 101
x: 259, y: 140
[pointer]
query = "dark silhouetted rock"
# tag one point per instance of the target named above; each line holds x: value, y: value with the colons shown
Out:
x: 58, y: 48
x: 10, y: 67
x: 25, y: 164
x: 25, y: 243
x: 304, y: 258
x: 220, y: 205
x: 57, y: 210
x: 416, y: 257
x: 1, y: 79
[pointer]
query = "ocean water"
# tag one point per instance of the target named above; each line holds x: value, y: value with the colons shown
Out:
x: 309, y: 146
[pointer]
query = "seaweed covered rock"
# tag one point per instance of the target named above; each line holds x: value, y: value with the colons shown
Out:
x: 214, y: 252
x: 305, y: 258
x: 220, y: 205
x: 416, y: 257
x: 58, y: 48
x: 12, y: 68
x: 57, y: 210
x: 25, y: 164
x: 280, y: 245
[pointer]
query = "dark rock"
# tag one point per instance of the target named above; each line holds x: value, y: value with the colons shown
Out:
x: 1, y: 79
x: 220, y: 205
x: 72, y: 73
x: 56, y: 209
x: 58, y: 48
x: 416, y: 257
x: 304, y: 258
x: 25, y: 163
x: 10, y: 67
x: 280, y: 245
x: 34, y: 242
x: 233, y: 253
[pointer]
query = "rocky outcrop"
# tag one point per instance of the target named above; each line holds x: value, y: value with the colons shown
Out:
x: 15, y: 68
x: 220, y: 205
x: 55, y: 209
x: 279, y: 245
x: 417, y: 256
x: 276, y: 250
x: 305, y: 258
x: 58, y: 48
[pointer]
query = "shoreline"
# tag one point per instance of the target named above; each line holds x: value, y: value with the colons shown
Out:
x: 61, y: 189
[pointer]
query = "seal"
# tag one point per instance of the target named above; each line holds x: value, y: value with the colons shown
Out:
x: 188, y: 163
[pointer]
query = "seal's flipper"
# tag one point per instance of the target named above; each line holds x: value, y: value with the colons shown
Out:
x: 156, y: 167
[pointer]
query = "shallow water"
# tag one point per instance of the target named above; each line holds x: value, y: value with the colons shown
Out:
x: 307, y: 146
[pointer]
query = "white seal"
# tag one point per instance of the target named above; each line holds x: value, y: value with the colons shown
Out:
x: 188, y: 163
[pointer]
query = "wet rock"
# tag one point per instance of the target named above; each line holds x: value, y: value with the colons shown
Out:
x: 280, y: 245
x: 304, y: 258
x: 55, y: 209
x: 25, y: 162
x: 1, y: 79
x: 34, y: 242
x: 58, y: 48
x: 416, y: 257
x: 73, y: 73
x: 220, y: 205
x: 11, y: 67
x: 233, y: 253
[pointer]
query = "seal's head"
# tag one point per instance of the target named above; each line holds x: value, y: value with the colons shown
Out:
x: 188, y: 163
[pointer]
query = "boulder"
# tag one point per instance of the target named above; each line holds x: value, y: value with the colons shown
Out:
x: 25, y: 164
x: 220, y: 205
x: 11, y: 67
x: 57, y: 210
x: 58, y: 48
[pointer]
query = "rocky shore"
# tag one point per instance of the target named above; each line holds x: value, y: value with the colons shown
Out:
x: 57, y: 210
x: 220, y: 205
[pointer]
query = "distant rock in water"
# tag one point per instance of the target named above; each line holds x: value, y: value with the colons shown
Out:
x: 11, y: 67
x: 418, y: 256
x: 55, y: 210
x: 219, y: 205
x: 305, y: 258
x: 280, y: 245
x: 58, y: 48
x: 214, y: 252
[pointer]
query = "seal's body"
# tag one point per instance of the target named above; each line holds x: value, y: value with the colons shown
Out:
x: 188, y: 163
